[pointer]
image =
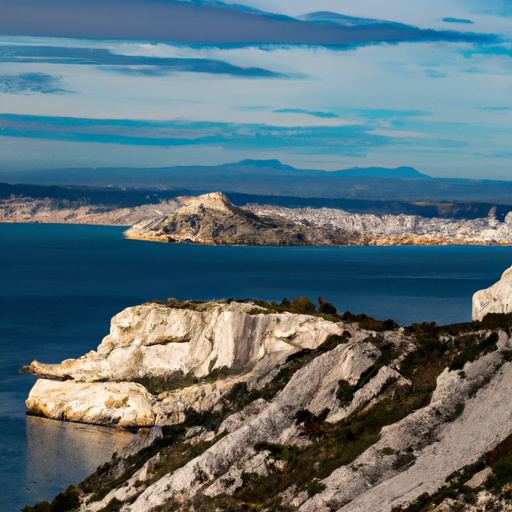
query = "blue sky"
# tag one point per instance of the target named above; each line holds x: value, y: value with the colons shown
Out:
x: 323, y: 84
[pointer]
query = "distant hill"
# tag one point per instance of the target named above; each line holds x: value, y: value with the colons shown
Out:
x: 116, y: 197
x: 358, y: 172
x: 382, y: 172
x: 272, y: 178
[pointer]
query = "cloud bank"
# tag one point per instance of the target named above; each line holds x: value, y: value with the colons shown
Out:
x: 204, y: 24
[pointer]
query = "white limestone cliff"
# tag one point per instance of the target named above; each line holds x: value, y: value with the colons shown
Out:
x: 495, y: 299
x: 171, y: 346
x: 362, y: 420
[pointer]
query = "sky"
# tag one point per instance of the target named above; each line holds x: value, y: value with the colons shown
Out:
x: 323, y: 84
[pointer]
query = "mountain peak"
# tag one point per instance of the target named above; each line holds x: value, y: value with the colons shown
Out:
x: 273, y: 163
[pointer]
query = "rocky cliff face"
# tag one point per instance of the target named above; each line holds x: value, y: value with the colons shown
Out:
x: 257, y: 406
x: 166, y: 346
x: 495, y: 299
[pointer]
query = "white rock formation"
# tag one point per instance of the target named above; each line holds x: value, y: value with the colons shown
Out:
x: 123, y: 404
x: 384, y: 228
x: 43, y: 211
x: 156, y: 340
x: 158, y: 343
x: 495, y: 299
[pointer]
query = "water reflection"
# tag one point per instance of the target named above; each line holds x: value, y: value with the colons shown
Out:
x: 59, y: 452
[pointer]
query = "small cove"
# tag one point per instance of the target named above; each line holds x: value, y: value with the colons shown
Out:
x: 61, y: 284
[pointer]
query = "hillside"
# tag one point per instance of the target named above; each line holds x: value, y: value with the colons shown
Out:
x: 127, y: 206
x: 246, y: 405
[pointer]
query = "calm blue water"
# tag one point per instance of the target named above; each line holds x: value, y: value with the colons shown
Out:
x: 60, y: 285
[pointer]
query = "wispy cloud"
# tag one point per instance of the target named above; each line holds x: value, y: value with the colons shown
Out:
x: 323, y: 115
x: 458, y: 20
x: 432, y: 73
x: 494, y: 108
x: 128, y: 64
x: 31, y: 83
x: 350, y: 140
x: 205, y: 24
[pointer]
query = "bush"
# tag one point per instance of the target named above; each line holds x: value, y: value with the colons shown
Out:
x: 114, y: 505
x: 326, y: 307
x: 43, y: 506
x: 67, y: 501
x: 345, y: 392
x: 303, y: 305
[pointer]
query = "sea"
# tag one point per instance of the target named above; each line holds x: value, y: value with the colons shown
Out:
x: 61, y: 284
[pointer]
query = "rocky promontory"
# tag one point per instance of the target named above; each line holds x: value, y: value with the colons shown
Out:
x: 166, y: 346
x: 212, y: 219
x: 281, y: 407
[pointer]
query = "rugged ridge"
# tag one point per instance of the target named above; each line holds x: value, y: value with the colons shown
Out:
x: 48, y: 211
x: 399, y: 229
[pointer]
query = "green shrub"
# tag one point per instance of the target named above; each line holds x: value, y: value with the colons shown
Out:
x: 472, y: 350
x: 114, y: 505
x: 66, y: 501
x: 345, y: 392
x: 325, y: 307
x: 42, y: 506
x: 403, y: 461
x: 303, y: 305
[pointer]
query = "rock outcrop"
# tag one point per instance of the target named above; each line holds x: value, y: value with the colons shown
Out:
x: 124, y: 404
x: 260, y: 407
x: 168, y: 346
x: 495, y: 299
x: 212, y: 219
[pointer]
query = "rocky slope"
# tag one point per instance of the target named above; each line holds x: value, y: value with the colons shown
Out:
x: 284, y: 407
x: 212, y: 219
x: 23, y: 209
x: 398, y: 229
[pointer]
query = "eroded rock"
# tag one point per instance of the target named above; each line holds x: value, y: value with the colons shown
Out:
x: 123, y: 404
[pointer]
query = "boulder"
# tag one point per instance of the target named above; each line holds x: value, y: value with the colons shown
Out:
x: 123, y: 404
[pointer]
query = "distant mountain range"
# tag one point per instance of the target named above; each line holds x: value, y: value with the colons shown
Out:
x: 356, y: 172
x: 272, y: 178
